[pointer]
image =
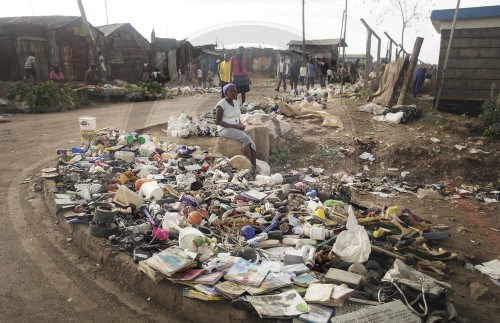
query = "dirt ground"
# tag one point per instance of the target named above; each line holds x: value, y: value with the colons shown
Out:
x: 408, y: 147
x: 473, y: 225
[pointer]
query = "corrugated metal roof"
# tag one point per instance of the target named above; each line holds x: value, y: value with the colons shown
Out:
x: 212, y: 52
x: 316, y: 42
x: 109, y: 29
x: 49, y: 22
x: 466, y: 13
x: 165, y: 44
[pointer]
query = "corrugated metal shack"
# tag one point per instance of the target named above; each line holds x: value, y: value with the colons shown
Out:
x: 169, y: 54
x: 474, y: 61
x: 164, y: 55
x: 60, y: 40
x: 318, y: 48
x: 126, y: 52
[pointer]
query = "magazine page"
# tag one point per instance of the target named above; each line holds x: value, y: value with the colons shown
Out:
x: 286, y: 304
x: 247, y: 273
x: 169, y: 261
x: 271, y: 282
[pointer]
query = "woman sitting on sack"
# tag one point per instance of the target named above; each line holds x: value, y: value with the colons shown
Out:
x: 227, y: 118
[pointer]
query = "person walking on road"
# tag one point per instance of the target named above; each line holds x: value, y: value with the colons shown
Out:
x: 354, y: 71
x: 323, y: 68
x: 281, y: 72
x: 224, y: 72
x: 239, y: 73
x: 311, y: 74
x: 182, y: 74
x: 199, y: 76
x: 294, y: 75
x: 303, y: 74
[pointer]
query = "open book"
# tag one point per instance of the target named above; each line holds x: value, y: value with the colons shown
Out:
x: 169, y: 261
x: 283, y: 305
x: 247, y: 273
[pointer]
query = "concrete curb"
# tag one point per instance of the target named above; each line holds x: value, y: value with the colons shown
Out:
x: 164, y: 294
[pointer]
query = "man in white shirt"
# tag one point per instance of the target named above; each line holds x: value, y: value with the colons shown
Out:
x: 302, y: 74
x: 281, y: 72
x: 199, y: 75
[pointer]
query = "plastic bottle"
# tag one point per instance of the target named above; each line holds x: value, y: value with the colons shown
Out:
x: 142, y: 139
x: 84, y: 164
x: 316, y: 233
x: 129, y: 139
x: 75, y: 159
x: 76, y: 150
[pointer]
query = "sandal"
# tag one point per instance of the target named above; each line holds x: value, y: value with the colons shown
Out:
x: 405, y: 232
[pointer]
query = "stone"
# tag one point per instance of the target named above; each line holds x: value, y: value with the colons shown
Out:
x: 259, y: 135
x: 477, y: 290
x: 240, y: 162
x: 359, y: 269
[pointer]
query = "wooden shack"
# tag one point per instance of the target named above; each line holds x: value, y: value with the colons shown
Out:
x: 168, y: 54
x: 474, y: 60
x: 126, y: 52
x: 55, y: 40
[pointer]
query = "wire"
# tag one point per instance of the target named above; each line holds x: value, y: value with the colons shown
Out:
x: 409, y: 305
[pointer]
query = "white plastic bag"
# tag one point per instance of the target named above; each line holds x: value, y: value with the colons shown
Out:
x: 353, y: 244
x: 263, y: 167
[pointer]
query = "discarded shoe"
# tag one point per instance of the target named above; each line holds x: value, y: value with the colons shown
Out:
x: 436, y: 235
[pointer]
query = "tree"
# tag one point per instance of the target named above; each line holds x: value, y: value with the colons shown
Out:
x: 410, y: 11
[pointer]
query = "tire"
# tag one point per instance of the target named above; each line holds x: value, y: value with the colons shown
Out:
x: 102, y: 230
x: 104, y: 215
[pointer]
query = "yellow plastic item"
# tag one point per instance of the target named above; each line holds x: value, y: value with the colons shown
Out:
x: 393, y: 210
x: 320, y: 213
x: 378, y: 233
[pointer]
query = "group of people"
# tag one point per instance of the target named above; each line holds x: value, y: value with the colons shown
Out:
x: 204, y: 77
x: 306, y: 73
x: 56, y: 75
x: 30, y: 70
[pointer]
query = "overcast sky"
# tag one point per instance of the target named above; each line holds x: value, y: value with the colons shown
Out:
x: 200, y: 20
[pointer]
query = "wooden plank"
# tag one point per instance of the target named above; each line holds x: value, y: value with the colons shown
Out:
x: 492, y: 42
x: 466, y: 84
x: 471, y: 63
x: 471, y: 74
x: 473, y: 32
x: 449, y: 94
x: 471, y: 53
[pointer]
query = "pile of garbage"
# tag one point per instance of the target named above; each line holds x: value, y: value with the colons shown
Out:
x: 191, y: 90
x: 282, y: 245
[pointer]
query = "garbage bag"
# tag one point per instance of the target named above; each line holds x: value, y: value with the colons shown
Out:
x: 353, y: 244
x: 400, y: 273
x: 263, y: 167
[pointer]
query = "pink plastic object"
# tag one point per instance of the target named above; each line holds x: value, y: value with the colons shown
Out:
x: 160, y: 234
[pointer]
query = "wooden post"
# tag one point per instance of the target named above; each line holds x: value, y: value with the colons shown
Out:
x: 391, y: 41
x: 378, y: 59
x: 411, y: 69
x: 371, y: 33
x: 445, y: 64
x: 93, y: 46
x: 367, y: 59
x: 303, y: 33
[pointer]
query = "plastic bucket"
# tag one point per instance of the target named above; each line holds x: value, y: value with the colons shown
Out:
x: 87, y: 123
x: 151, y: 190
x: 127, y: 156
x: 186, y: 235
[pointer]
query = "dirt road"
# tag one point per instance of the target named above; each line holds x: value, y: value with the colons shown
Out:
x: 44, y: 277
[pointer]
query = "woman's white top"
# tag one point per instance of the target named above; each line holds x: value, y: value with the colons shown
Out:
x: 231, y: 114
